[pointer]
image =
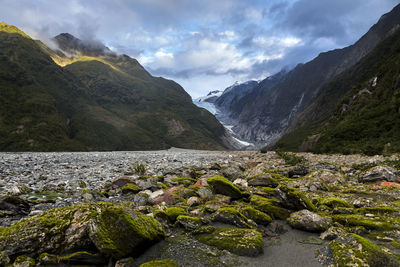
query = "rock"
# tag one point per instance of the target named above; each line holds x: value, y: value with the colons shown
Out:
x: 130, y: 188
x: 230, y: 216
x: 378, y: 173
x: 269, y: 206
x: 156, y: 194
x: 232, y: 172
x: 223, y: 186
x: 189, y: 223
x: 110, y: 229
x: 15, y: 205
x: 240, y: 182
x: 140, y: 199
x: 353, y: 250
x: 174, y: 212
x: 256, y: 215
x: 87, y: 196
x: 121, y: 181
x: 245, y: 242
x: 167, y: 198
x: 291, y: 198
x: 24, y: 261
x: 193, y: 201
x: 308, y: 221
x: 264, y: 180
x: 205, y: 193
x: 332, y: 233
x: 127, y: 262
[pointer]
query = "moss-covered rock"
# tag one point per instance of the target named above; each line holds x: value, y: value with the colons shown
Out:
x: 293, y: 199
x: 309, y: 221
x: 359, y: 220
x: 223, y: 186
x: 246, y: 242
x: 174, y: 212
x: 269, y: 206
x: 334, y: 202
x: 160, y: 263
x: 264, y: 180
x: 82, y: 258
x: 354, y: 250
x: 111, y: 229
x: 24, y: 261
x: 257, y: 216
x: 188, y: 222
x: 230, y: 216
x: 377, y: 210
x: 48, y: 259
x: 130, y: 188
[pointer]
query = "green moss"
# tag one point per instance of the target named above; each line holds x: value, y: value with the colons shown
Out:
x: 269, y: 206
x: 4, y: 259
x: 354, y: 250
x: 113, y: 221
x: 240, y: 241
x: 24, y: 261
x: 293, y: 198
x: 205, y: 230
x: 130, y: 188
x: 334, y: 202
x: 174, y: 212
x: 359, y: 220
x: 160, y: 263
x: 188, y: 222
x: 268, y: 190
x: 256, y: 215
x: 189, y: 218
x: 221, y: 185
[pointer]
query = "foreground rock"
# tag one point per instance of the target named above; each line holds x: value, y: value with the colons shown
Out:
x: 309, y: 221
x: 113, y: 231
x: 246, y: 242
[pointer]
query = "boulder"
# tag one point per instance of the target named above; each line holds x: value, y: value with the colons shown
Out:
x: 264, y: 180
x: 293, y: 199
x: 121, y: 181
x: 223, y: 186
x: 13, y: 205
x: 245, y: 242
x: 309, y: 221
x: 269, y: 206
x: 379, y: 173
x: 112, y: 230
x: 230, y: 216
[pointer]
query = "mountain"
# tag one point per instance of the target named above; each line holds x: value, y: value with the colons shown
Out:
x: 357, y: 112
x: 270, y: 109
x: 92, y: 99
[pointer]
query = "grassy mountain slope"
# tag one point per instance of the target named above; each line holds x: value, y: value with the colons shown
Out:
x: 352, y: 114
x: 105, y: 102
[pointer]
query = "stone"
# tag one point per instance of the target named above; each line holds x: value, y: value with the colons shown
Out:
x: 24, y: 261
x: 160, y: 263
x: 189, y: 223
x: 309, y: 221
x: 332, y: 233
x: 4, y: 259
x: 232, y: 172
x: 110, y: 229
x: 264, y: 180
x: 121, y: 181
x: 15, y: 205
x: 241, y: 182
x: 83, y: 258
x: 223, y: 186
x: 244, y: 242
x: 292, y: 199
x: 193, y: 201
x: 379, y: 173
x: 205, y: 193
x: 230, y: 216
x: 167, y: 198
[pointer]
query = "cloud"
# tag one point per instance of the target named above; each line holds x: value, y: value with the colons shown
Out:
x: 204, y: 43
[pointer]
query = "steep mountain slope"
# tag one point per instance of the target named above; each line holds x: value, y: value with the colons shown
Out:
x: 266, y: 117
x: 359, y: 111
x: 98, y: 101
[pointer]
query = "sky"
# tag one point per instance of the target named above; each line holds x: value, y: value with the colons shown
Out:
x: 204, y: 45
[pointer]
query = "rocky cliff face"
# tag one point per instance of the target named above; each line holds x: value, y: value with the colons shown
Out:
x: 272, y: 106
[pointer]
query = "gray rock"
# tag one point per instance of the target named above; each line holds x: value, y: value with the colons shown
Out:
x: 379, y: 173
x: 309, y: 221
x: 205, y: 193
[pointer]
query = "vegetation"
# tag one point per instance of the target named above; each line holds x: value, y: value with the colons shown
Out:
x: 352, y: 114
x: 107, y: 102
x: 290, y: 158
